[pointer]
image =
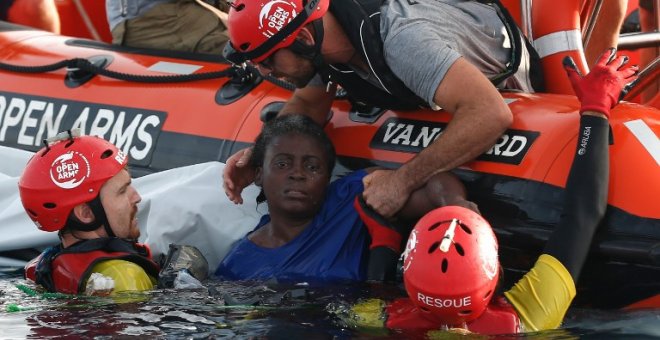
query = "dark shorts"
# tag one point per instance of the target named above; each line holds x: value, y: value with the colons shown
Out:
x: 179, y: 25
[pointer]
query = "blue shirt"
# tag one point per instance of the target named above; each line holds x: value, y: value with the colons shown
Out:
x: 333, y: 247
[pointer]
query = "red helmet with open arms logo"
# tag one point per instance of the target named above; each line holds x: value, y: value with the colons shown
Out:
x: 69, y: 171
x: 450, y: 267
x: 258, y: 28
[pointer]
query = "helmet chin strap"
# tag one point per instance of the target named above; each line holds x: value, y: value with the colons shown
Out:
x: 313, y: 53
x: 101, y: 219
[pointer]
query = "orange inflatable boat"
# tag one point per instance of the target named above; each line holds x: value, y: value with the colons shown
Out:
x: 169, y: 109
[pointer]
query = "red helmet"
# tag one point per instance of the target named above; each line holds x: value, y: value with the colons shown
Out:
x: 258, y: 28
x: 450, y: 266
x: 64, y: 174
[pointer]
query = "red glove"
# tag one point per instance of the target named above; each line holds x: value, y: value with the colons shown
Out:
x: 599, y: 90
x: 382, y: 233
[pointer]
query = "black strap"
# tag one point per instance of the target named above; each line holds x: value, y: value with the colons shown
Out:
x: 100, y: 217
x: 382, y: 265
x: 276, y: 38
x: 516, y: 37
x: 361, y: 22
x: 312, y: 53
x: 43, y: 271
x: 109, y: 244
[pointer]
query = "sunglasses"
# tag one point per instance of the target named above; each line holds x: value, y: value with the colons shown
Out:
x: 269, y: 62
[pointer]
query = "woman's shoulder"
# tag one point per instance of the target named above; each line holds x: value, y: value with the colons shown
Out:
x: 351, y: 176
x: 347, y: 183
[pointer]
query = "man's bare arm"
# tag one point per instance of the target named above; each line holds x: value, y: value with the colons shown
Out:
x: 312, y: 101
x: 480, y: 116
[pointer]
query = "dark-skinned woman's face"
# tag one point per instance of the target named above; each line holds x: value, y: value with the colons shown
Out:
x: 294, y: 175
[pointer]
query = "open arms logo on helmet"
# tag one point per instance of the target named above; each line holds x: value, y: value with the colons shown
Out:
x: 274, y: 15
x: 258, y: 28
x: 69, y: 170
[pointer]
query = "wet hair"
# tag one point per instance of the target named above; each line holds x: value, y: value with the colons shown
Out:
x: 292, y: 124
x: 286, y: 125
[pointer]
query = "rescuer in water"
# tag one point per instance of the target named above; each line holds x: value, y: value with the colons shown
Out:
x: 450, y: 264
x: 80, y: 187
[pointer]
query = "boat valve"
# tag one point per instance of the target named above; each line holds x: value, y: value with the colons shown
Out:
x: 76, y: 77
x: 244, y: 74
x: 244, y: 79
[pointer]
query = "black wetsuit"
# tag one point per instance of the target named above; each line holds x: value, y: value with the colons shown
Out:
x: 585, y: 197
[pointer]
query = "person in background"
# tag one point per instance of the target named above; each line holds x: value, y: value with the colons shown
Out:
x: 40, y: 14
x: 451, y: 268
x: 79, y: 186
x: 315, y: 230
x: 179, y: 25
x: 605, y: 33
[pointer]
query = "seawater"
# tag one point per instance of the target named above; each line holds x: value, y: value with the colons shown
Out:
x: 252, y: 310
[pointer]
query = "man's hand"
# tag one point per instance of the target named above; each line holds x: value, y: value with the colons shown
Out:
x: 384, y: 192
x: 237, y: 175
x: 600, y: 90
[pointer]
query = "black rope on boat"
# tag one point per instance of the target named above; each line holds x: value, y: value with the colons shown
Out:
x: 250, y: 71
x: 82, y: 64
x: 86, y: 65
x: 34, y: 69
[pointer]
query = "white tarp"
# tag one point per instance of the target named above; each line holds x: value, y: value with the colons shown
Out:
x: 184, y: 205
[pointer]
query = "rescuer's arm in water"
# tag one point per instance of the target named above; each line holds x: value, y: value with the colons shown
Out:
x: 312, y: 101
x: 480, y: 116
x: 544, y: 294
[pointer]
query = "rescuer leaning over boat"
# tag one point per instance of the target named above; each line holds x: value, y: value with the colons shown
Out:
x: 451, y: 266
x: 81, y: 188
x: 398, y: 55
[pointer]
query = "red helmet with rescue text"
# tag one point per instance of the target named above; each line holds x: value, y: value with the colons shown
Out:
x: 258, y: 28
x: 450, y: 267
x: 69, y: 171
